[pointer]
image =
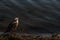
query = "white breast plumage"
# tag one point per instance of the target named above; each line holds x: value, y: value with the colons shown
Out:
x: 17, y: 21
x: 13, y: 25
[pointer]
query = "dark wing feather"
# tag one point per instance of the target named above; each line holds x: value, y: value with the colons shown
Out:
x: 11, y: 27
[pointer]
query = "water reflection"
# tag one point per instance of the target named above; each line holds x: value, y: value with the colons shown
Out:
x: 42, y: 14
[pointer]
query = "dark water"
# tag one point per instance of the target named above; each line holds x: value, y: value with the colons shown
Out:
x: 40, y: 16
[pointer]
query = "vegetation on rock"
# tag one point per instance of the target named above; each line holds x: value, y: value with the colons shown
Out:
x: 27, y: 37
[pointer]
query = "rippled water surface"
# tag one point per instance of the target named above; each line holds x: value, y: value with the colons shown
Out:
x: 39, y: 16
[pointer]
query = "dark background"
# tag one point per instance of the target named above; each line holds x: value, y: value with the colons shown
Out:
x: 38, y: 16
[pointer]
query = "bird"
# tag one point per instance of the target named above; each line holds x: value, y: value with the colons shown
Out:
x: 12, y: 27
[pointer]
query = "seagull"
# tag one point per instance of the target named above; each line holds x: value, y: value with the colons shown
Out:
x: 12, y: 27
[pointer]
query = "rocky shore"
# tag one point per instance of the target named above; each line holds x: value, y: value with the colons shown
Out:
x: 25, y: 36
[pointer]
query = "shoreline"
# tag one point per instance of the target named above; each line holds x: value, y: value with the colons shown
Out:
x: 32, y: 34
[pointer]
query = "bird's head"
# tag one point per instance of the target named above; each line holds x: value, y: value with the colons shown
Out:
x: 16, y: 18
